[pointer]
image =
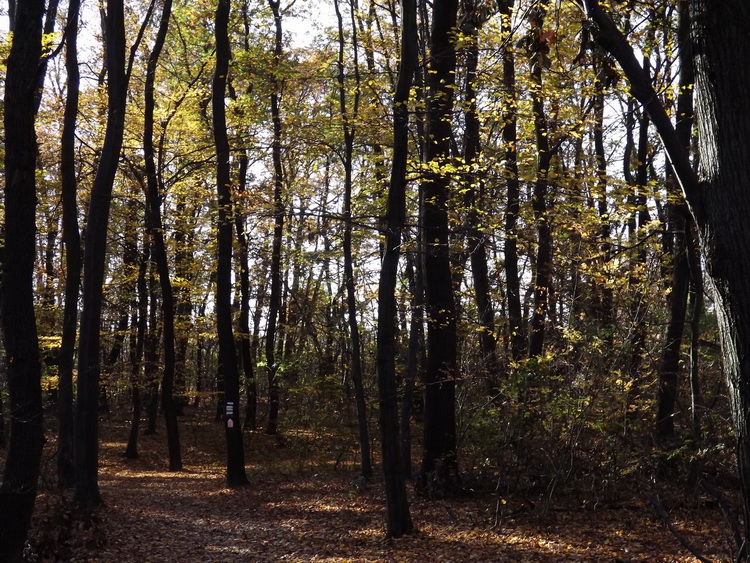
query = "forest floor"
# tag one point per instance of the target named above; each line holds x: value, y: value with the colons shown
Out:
x: 304, y: 503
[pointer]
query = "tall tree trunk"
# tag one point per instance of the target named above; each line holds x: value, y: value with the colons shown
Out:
x: 236, y: 475
x: 246, y: 349
x: 72, y: 241
x: 476, y: 238
x: 155, y: 226
x: 603, y: 294
x: 439, y: 470
x: 347, y: 117
x: 399, y: 520
x: 543, y: 271
x: 415, y: 355
x: 18, y: 489
x: 86, y: 437
x: 513, y: 206
x: 680, y: 225
x: 137, y: 342
x: 274, y: 302
x: 243, y: 258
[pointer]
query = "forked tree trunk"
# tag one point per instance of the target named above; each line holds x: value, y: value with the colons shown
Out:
x: 681, y: 225
x: 543, y: 271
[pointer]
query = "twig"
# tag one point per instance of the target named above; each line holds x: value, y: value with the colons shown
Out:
x: 729, y: 516
x: 659, y: 509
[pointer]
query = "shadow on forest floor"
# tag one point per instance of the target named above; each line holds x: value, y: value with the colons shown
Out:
x: 296, y: 509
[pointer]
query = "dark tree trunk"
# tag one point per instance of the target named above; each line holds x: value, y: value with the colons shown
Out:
x: 543, y: 271
x: 137, y: 341
x: 679, y: 228
x: 415, y: 355
x: 155, y: 226
x: 243, y: 265
x: 347, y: 116
x: 513, y: 206
x: 246, y: 349
x: 670, y: 368
x: 18, y: 490
x: 86, y: 436
x: 398, y: 520
x: 72, y: 241
x: 274, y: 302
x: 236, y: 475
x: 439, y: 470
x: 603, y: 295
x: 475, y: 200
x: 151, y: 350
x: 718, y: 196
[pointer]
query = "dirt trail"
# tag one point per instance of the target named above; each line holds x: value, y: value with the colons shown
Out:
x: 293, y: 512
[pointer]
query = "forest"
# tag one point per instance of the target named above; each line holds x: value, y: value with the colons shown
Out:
x: 375, y: 280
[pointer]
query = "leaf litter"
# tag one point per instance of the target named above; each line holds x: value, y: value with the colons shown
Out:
x: 300, y: 506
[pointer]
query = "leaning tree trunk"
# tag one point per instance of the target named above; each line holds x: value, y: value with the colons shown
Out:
x: 236, y: 475
x: 18, y: 490
x: 719, y: 197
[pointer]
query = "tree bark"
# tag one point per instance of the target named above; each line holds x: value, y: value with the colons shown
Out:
x: 347, y: 117
x: 439, y: 470
x: 19, y: 486
x: 72, y: 241
x: 155, y: 226
x: 86, y: 437
x: 516, y: 333
x: 236, y: 475
x: 274, y: 301
x: 399, y: 519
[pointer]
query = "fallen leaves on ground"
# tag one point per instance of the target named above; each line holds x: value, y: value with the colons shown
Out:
x: 290, y: 512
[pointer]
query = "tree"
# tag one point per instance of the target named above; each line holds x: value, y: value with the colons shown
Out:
x: 399, y: 519
x: 155, y: 226
x: 513, y: 206
x: 274, y: 300
x: 236, y: 475
x: 439, y: 470
x: 718, y: 194
x: 347, y: 118
x: 89, y: 348
x: 538, y: 50
x: 72, y: 241
x: 18, y: 489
